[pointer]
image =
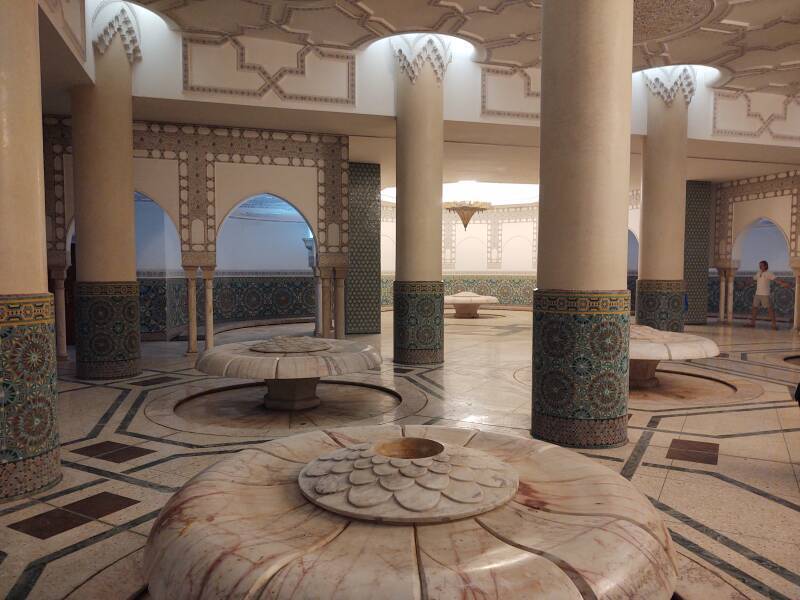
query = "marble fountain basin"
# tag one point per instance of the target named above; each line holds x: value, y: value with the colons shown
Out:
x: 649, y: 346
x: 405, y: 513
x: 290, y: 366
x: 467, y: 304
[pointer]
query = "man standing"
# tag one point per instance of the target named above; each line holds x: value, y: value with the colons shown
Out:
x: 761, y: 300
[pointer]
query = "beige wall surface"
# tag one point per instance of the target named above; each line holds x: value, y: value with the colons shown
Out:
x: 236, y: 183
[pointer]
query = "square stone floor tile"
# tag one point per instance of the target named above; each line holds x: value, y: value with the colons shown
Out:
x: 693, y: 451
x: 113, y: 451
x: 100, y: 505
x: 50, y: 523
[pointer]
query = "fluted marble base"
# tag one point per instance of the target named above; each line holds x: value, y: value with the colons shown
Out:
x: 291, y: 394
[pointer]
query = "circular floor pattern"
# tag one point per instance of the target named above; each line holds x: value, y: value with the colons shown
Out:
x: 680, y: 389
x: 226, y: 408
x: 243, y: 408
x: 683, y: 386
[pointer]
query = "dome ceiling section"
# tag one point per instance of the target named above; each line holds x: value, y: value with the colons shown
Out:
x: 755, y: 43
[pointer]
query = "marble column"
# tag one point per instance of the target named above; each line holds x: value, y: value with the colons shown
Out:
x: 339, y: 302
x: 29, y: 446
x: 660, y: 288
x: 422, y: 61
x: 59, y: 276
x: 723, y: 288
x: 107, y: 292
x: 326, y: 274
x: 582, y: 305
x: 794, y: 261
x: 729, y: 294
x: 191, y: 309
x: 208, y: 286
x: 318, y: 298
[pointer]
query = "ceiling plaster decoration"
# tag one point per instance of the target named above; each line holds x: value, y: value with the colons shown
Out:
x: 732, y: 110
x: 68, y: 17
x: 527, y: 96
x: 755, y: 43
x: 276, y: 82
x: 122, y: 23
x: 413, y: 52
x: 667, y: 82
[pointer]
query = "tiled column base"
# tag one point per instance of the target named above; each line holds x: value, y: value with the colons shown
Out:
x: 659, y: 303
x: 418, y: 322
x: 107, y: 322
x: 29, y: 449
x: 580, y: 367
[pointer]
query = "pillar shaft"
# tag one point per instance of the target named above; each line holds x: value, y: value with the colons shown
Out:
x: 723, y: 287
x: 339, y: 318
x: 582, y: 306
x: 29, y: 447
x: 418, y: 286
x: 191, y: 309
x: 729, y: 294
x: 208, y: 285
x: 325, y: 276
x: 318, y: 298
x: 660, y: 288
x: 796, y: 320
x: 107, y: 293
x: 59, y: 302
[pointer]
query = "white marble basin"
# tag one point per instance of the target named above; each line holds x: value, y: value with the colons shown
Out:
x: 290, y: 365
x: 648, y: 346
x: 243, y: 528
x: 651, y: 344
x: 467, y: 304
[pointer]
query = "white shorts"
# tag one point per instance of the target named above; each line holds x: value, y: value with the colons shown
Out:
x: 761, y: 301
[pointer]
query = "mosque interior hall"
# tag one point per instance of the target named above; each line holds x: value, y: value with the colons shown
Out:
x: 402, y: 300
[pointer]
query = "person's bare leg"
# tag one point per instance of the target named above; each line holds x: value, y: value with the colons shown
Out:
x: 753, y: 317
x: 772, y: 317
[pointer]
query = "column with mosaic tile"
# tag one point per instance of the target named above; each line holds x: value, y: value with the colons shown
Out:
x: 29, y: 446
x: 581, y: 308
x: 660, y: 289
x: 107, y: 292
x: 418, y: 292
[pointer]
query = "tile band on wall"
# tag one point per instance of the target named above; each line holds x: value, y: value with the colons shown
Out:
x: 29, y: 448
x: 660, y: 303
x: 107, y: 329
x: 418, y: 322
x: 580, y: 367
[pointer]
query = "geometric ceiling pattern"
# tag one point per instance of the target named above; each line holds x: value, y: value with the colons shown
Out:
x: 755, y: 43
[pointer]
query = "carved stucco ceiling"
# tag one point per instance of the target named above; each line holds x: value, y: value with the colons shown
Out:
x: 755, y: 43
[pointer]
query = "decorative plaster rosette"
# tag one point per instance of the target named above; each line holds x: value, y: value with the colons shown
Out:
x: 289, y: 344
x: 408, y: 480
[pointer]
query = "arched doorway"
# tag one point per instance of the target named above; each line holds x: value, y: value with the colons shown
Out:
x: 266, y: 254
x: 762, y: 239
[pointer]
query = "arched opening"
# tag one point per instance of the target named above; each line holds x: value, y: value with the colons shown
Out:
x: 266, y: 254
x: 518, y: 254
x: 162, y: 286
x: 762, y: 239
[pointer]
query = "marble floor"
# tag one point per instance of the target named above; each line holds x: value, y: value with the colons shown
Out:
x: 716, y: 448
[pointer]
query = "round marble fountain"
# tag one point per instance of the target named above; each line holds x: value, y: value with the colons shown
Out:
x: 406, y: 513
x: 467, y: 304
x: 291, y: 366
x: 649, y: 346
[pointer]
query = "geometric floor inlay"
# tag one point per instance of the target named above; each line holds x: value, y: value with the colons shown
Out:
x: 69, y: 516
x: 700, y: 452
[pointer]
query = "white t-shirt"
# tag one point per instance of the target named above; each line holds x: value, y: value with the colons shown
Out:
x: 762, y: 279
